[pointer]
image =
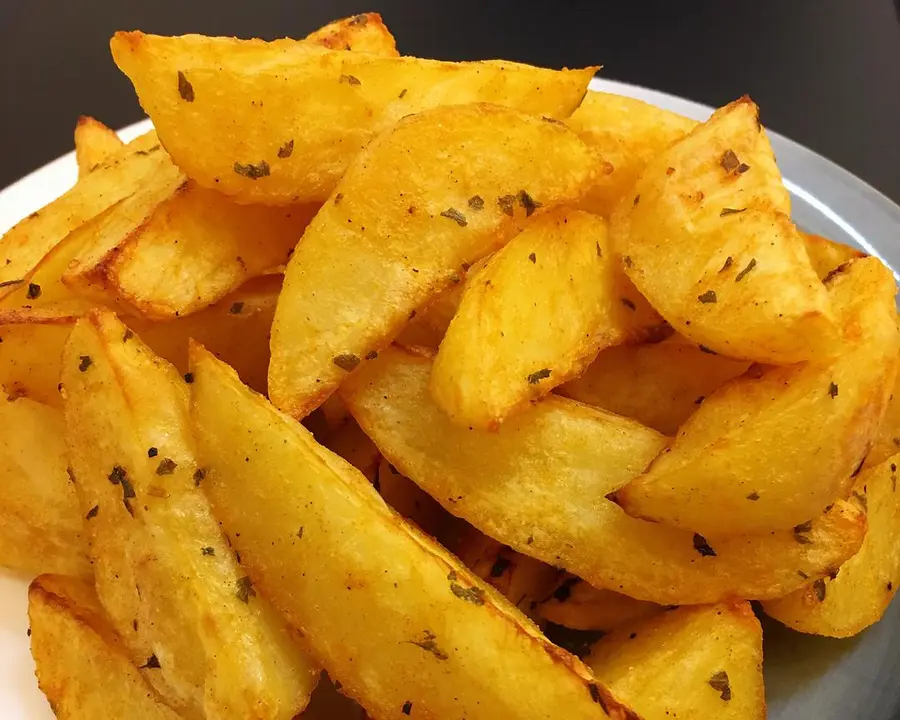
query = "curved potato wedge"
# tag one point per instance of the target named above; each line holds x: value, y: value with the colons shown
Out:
x: 165, y: 573
x: 280, y: 122
x: 40, y: 519
x: 94, y: 143
x: 691, y: 663
x: 81, y: 665
x: 404, y: 225
x: 538, y: 484
x: 705, y: 236
x: 361, y: 33
x: 659, y: 385
x: 856, y: 595
x: 375, y: 596
x: 737, y: 466
x: 826, y: 255
x: 537, y: 313
x: 628, y: 133
x: 575, y: 604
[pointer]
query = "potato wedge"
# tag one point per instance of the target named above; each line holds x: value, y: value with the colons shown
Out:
x: 535, y: 316
x: 81, y: 665
x: 94, y: 143
x: 23, y: 247
x: 409, y: 500
x: 856, y: 595
x: 705, y: 236
x: 692, y: 663
x: 165, y: 573
x: 550, y: 470
x: 575, y: 604
x: 360, y: 33
x: 826, y: 255
x: 887, y: 441
x: 736, y: 465
x: 237, y: 116
x: 40, y: 519
x: 392, y: 616
x: 402, y: 227
x: 351, y: 443
x: 659, y: 385
x: 628, y: 133
x: 194, y: 248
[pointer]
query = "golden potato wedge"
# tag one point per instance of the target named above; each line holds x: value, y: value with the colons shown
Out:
x: 408, y: 499
x: 165, y: 573
x: 94, y: 143
x: 737, y: 466
x: 522, y: 580
x: 392, y: 616
x: 194, y: 248
x: 237, y: 116
x: 659, y: 385
x: 40, y: 519
x: 81, y: 665
x: 691, y: 663
x: 856, y: 595
x: 705, y: 236
x: 535, y: 316
x: 575, y: 604
x: 403, y: 226
x: 23, y: 247
x: 826, y: 255
x: 351, y: 443
x: 550, y: 470
x: 887, y: 441
x: 361, y: 33
x: 628, y: 133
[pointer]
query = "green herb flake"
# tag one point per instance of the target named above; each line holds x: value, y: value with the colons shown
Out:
x: 208, y: 551
x: 34, y: 291
x: 746, y: 271
x: 236, y: 308
x: 245, y: 589
x: 801, y: 533
x: 476, y: 202
x: 349, y: 79
x: 729, y: 261
x: 474, y: 595
x: 507, y: 204
x: 456, y: 216
x: 729, y: 161
x: 637, y: 199
x: 372, y: 355
x: 189, y: 378
x: 533, y: 258
x: 719, y: 683
x: 708, y: 351
x: 402, y: 94
x: 832, y: 390
x: 253, y: 172
x: 552, y: 121
x: 628, y: 261
x: 538, y: 375
x: 407, y: 708
x: 338, y: 197
x: 702, y: 546
x: 819, y: 589
x: 346, y: 361
x: 151, y: 664
x: 429, y: 644
x: 166, y: 466
x: 709, y: 297
x: 300, y: 534
x: 199, y: 474
x: 754, y: 496
x: 599, y: 250
x: 286, y: 150
x: 742, y: 168
x: 117, y: 474
x: 85, y: 363
x: 185, y: 89
x: 528, y: 203
x: 92, y: 513
x: 152, y: 452
x: 731, y: 211
x: 803, y: 575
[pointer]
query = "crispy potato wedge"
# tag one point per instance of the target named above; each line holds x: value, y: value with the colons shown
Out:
x: 351, y: 443
x: 392, y: 616
x: 736, y: 465
x: 401, y: 228
x: 659, y: 385
x: 40, y: 519
x: 827, y: 255
x: 628, y: 133
x: 705, y: 236
x: 193, y: 249
x: 691, y: 663
x: 165, y: 573
x: 94, y: 143
x: 505, y: 347
x: 81, y: 665
x: 360, y: 33
x: 520, y: 579
x: 575, y: 604
x: 856, y: 595
x: 550, y: 470
x: 280, y: 122
x: 23, y: 247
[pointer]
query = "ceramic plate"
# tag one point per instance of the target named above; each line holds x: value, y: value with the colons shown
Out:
x: 806, y: 677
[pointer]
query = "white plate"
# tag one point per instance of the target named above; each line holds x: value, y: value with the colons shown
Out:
x: 806, y: 677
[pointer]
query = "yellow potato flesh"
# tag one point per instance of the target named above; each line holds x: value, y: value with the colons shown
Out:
x: 362, y: 33
x: 577, y: 605
x: 826, y: 255
x: 94, y: 143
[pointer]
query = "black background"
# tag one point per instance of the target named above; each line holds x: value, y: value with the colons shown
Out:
x: 825, y: 72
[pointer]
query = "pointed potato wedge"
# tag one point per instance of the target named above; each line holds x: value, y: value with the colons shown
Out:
x: 856, y: 595
x: 361, y: 33
x: 392, y: 616
x: 81, y: 665
x: 506, y: 347
x: 539, y: 485
x: 237, y: 115
x: 94, y: 143
x: 705, y: 236
x: 737, y: 465
x: 827, y: 255
x: 575, y: 604
x: 165, y: 573
x: 403, y: 226
x: 691, y: 663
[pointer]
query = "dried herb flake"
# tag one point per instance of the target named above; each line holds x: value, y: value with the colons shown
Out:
x: 92, y: 513
x: 407, y: 708
x: 476, y: 202
x: 209, y: 551
x: 627, y: 303
x: 754, y: 496
x: 800, y: 533
x: 189, y: 378
x: 456, y: 216
x: 199, y: 474
x: 245, y: 589
x: 702, y: 546
x: 731, y: 211
x: 533, y: 258
x: 538, y: 375
x: 474, y: 595
x: 166, y: 466
x: 151, y: 664
x: 708, y: 297
x: 528, y: 203
x: 253, y: 172
x: 185, y: 89
x: 746, y: 271
x: 349, y: 79
x: 346, y: 361
x: 236, y: 308
x: 286, y: 150
x: 719, y: 683
x: 85, y: 363
x: 832, y: 390
x: 729, y: 161
x: 729, y: 261
x: 34, y: 291
x: 507, y: 204
x: 819, y: 589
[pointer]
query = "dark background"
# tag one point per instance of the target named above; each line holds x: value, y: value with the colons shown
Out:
x: 825, y: 72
